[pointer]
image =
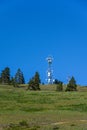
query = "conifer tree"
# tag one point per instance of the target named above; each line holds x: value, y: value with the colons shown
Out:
x: 34, y: 83
x: 19, y: 77
x: 5, y: 76
x: 72, y: 86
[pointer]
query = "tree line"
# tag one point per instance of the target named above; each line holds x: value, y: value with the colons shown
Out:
x: 18, y: 79
x: 71, y: 86
x: 34, y: 82
x: 5, y: 77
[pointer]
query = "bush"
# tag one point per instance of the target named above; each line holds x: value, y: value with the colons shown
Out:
x: 59, y: 87
x: 23, y: 123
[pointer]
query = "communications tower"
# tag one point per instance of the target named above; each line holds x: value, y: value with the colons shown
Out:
x: 49, y: 70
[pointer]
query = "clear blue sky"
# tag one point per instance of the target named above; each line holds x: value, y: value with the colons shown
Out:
x: 30, y: 30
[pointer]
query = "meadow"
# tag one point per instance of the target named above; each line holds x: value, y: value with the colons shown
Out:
x: 21, y: 109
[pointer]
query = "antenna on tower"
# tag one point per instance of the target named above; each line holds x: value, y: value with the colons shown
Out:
x: 49, y: 70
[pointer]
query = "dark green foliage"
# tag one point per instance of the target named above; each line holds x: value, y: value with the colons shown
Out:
x: 56, y: 81
x: 59, y: 86
x: 19, y: 77
x: 72, y: 86
x: 37, y: 80
x: 31, y: 85
x: 14, y: 83
x: 23, y: 123
x: 5, y: 76
x: 73, y: 125
x: 12, y: 80
x: 34, y: 83
x: 56, y: 128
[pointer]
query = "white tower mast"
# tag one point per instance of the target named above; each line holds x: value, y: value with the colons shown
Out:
x: 49, y: 71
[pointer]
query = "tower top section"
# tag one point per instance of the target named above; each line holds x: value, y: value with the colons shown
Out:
x: 49, y: 59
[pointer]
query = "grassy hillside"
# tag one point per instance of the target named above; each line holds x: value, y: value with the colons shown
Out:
x: 42, y: 110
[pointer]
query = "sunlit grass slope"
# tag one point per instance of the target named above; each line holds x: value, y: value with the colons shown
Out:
x: 42, y: 110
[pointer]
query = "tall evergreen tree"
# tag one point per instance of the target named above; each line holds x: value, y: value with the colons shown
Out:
x: 5, y: 76
x: 34, y: 83
x: 19, y: 77
x: 72, y: 86
x: 37, y: 80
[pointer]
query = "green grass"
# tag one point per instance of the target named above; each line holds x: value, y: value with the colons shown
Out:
x: 42, y: 110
